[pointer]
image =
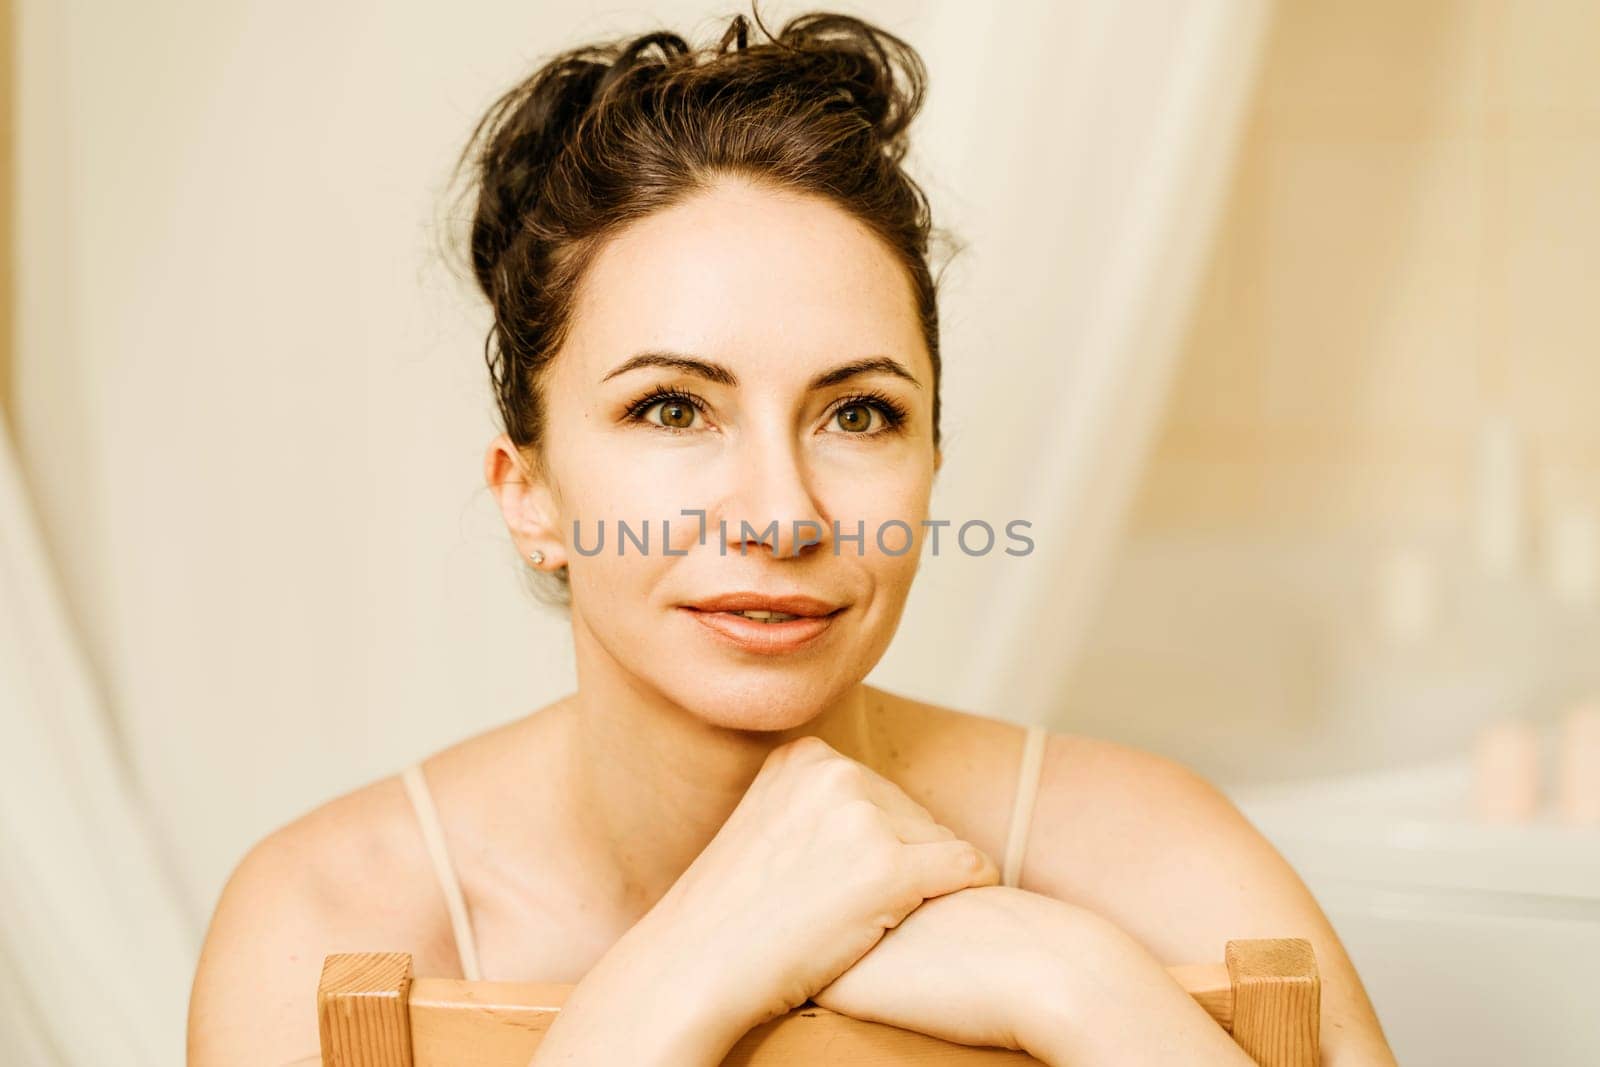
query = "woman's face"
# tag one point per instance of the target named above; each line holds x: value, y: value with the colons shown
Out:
x: 760, y: 295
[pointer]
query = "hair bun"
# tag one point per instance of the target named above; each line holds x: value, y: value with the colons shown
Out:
x: 874, y: 71
x: 838, y: 62
x: 516, y: 142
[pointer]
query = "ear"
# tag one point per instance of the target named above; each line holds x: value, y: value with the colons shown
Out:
x: 526, y: 501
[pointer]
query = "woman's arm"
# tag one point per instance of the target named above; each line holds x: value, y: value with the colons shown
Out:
x: 650, y: 1002
x: 1159, y: 869
x: 1001, y: 966
x: 1096, y: 996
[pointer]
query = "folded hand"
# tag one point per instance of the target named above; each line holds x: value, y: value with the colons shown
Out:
x: 964, y: 967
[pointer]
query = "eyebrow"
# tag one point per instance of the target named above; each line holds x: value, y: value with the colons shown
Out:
x: 716, y: 372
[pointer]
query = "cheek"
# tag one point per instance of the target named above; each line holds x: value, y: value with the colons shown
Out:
x: 891, y: 507
x: 604, y: 486
x: 608, y: 477
x: 888, y: 487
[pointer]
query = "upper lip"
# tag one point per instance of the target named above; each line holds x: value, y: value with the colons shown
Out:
x: 791, y: 604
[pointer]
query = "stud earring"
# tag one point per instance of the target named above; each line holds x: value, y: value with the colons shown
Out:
x: 536, y: 556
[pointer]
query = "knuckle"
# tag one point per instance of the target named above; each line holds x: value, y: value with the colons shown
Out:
x: 809, y: 745
x: 844, y: 771
x: 791, y: 753
x: 840, y: 774
x: 787, y: 750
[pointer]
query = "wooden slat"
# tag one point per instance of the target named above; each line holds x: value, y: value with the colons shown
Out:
x: 362, y: 1009
x: 455, y: 1023
x: 1266, y: 994
x: 1276, y: 1001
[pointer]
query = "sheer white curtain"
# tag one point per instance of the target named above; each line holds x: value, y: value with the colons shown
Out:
x: 251, y: 412
x: 95, y: 948
x: 1088, y: 147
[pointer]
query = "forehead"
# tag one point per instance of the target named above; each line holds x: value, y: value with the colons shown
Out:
x: 756, y: 277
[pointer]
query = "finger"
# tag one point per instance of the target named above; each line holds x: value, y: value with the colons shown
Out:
x: 940, y: 867
x: 917, y: 829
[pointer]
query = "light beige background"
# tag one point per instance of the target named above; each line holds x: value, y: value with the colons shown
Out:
x: 1410, y: 246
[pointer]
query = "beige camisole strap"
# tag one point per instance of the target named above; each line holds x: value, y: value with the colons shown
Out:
x: 416, y: 785
x: 433, y: 835
x: 1028, y: 773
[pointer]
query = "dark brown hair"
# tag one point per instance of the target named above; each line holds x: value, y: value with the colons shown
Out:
x: 603, y: 135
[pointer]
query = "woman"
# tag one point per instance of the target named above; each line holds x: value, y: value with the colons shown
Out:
x: 714, y: 322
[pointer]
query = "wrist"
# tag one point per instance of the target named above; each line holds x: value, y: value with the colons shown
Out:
x: 1083, y: 972
x: 1099, y: 996
x: 1043, y: 1005
x: 645, y: 1002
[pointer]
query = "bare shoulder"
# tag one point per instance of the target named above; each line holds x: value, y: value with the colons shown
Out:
x: 349, y: 876
x: 1155, y: 845
x: 1093, y: 794
x: 1152, y: 845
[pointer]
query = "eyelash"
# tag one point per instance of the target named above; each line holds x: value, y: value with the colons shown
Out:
x: 893, y: 412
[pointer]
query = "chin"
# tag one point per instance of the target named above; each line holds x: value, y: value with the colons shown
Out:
x: 771, y: 700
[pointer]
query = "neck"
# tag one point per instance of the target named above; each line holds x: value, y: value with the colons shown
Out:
x: 652, y: 783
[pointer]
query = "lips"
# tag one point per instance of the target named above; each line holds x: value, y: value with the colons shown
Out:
x: 731, y: 629
x: 720, y: 619
x: 788, y: 604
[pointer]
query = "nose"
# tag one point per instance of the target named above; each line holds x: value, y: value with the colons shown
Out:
x: 771, y: 505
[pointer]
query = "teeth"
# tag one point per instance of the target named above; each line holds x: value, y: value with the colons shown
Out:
x: 767, y: 616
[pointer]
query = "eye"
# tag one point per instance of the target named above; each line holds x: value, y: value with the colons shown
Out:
x: 677, y: 409
x: 854, y: 418
x: 675, y: 414
x: 854, y: 415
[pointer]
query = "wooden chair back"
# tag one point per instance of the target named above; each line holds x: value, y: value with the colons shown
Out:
x: 374, y: 1013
